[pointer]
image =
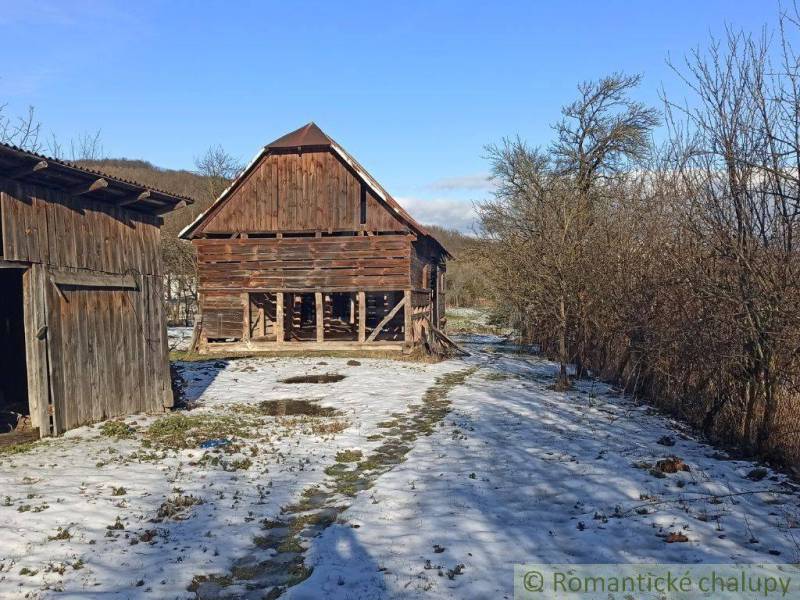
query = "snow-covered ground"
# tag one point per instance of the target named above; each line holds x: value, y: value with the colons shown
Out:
x: 514, y: 473
x: 179, y: 338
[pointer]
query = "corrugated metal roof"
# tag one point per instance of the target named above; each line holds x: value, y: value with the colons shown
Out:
x: 310, y: 135
x: 75, y: 169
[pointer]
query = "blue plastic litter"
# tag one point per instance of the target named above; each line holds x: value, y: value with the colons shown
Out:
x: 215, y: 443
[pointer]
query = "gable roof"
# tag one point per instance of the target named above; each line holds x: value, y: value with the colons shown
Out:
x: 311, y: 136
x: 23, y: 165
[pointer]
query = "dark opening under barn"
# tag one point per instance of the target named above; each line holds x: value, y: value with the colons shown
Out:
x: 14, y: 376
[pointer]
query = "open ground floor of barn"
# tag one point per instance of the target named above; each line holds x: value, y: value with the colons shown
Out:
x: 366, y: 478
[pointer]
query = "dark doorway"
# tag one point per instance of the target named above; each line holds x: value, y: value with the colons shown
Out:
x: 14, y: 411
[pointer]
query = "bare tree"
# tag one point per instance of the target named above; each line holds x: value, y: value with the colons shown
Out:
x: 21, y: 131
x: 219, y: 168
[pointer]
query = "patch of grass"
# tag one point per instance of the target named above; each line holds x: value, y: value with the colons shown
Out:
x: 181, y: 431
x: 496, y: 376
x: 118, y: 491
x: 221, y: 580
x: 177, y: 506
x: 336, y: 469
x: 346, y: 456
x: 240, y: 464
x: 62, y: 534
x: 117, y: 430
x: 22, y: 447
x: 290, y: 545
x: 298, y: 574
x: 369, y: 464
x: 329, y: 427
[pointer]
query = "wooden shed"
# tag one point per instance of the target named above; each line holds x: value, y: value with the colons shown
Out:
x: 306, y: 250
x: 81, y: 312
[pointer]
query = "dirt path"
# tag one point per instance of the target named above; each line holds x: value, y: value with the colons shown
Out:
x: 277, y: 560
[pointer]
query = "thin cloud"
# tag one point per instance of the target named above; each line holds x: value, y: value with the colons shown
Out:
x: 445, y: 212
x: 481, y: 182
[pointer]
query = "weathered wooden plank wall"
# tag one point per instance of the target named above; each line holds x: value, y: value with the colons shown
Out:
x: 306, y: 191
x: 46, y: 226
x: 229, y: 267
x: 107, y: 350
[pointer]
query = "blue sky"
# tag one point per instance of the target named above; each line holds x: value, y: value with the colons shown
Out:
x: 414, y: 90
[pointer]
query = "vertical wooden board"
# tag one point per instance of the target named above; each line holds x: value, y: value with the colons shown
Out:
x: 159, y: 321
x: 279, y: 317
x: 83, y: 362
x: 362, y: 316
x: 328, y: 179
x: 66, y: 364
x: 320, y: 316
x: 99, y: 337
x: 36, y: 339
x: 117, y: 362
x: 129, y: 357
x: 145, y: 356
x: 276, y: 199
x: 281, y: 192
x: 257, y: 194
x: 245, y: 297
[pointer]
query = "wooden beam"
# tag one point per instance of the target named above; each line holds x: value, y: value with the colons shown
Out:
x: 407, y: 321
x: 362, y: 316
x: 27, y: 170
x: 4, y: 264
x: 134, y: 198
x: 79, y: 190
x: 386, y: 319
x: 94, y: 280
x: 320, y: 316
x: 279, y: 317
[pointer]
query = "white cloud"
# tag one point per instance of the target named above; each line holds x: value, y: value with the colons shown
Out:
x: 445, y: 212
x: 480, y: 182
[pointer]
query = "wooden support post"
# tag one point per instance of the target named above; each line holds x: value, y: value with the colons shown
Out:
x: 362, y: 316
x: 407, y: 320
x: 279, y: 317
x: 262, y: 324
x: 246, y: 316
x: 320, y: 317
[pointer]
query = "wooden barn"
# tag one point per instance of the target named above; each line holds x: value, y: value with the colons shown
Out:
x: 306, y: 250
x: 82, y: 331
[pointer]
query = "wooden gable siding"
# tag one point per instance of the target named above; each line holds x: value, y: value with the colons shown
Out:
x: 41, y: 225
x: 305, y: 191
x: 229, y: 267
